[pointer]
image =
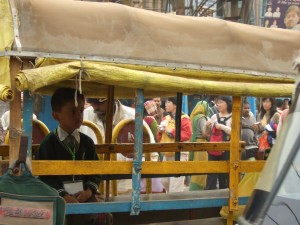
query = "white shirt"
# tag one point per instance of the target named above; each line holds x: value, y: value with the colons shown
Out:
x: 62, y: 135
x: 6, y: 117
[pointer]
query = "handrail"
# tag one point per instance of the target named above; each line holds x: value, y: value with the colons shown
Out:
x: 147, y: 147
x: 41, y: 167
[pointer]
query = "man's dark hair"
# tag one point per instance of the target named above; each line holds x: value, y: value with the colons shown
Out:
x: 245, y: 103
x: 62, y: 96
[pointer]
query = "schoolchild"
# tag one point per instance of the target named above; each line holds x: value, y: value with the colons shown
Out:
x: 67, y: 143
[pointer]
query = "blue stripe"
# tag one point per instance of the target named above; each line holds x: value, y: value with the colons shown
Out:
x: 109, y: 207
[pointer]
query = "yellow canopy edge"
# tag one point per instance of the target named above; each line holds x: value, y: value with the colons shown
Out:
x: 6, y: 40
x: 46, y: 79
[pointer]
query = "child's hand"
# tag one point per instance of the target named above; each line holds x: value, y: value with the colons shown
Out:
x: 161, y: 128
x: 83, y: 196
x: 70, y: 199
x: 218, y: 126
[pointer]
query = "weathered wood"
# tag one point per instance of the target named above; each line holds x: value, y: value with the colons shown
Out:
x: 118, y: 167
x: 108, y: 134
x: 167, y: 147
x: 234, y: 175
x: 148, y: 147
x: 15, y: 125
x: 252, y: 166
x: 49, y: 167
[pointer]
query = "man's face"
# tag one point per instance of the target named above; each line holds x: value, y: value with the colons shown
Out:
x: 99, y: 108
x: 157, y: 101
x: 291, y: 20
x: 246, y: 110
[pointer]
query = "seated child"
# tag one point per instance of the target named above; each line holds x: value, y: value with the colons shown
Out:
x: 67, y: 143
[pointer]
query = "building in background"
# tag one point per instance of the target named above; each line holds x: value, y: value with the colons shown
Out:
x: 282, y: 14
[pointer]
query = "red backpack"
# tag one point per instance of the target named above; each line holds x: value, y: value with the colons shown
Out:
x: 218, y: 136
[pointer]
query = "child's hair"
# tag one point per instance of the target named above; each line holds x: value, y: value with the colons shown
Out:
x: 173, y: 100
x: 62, y: 96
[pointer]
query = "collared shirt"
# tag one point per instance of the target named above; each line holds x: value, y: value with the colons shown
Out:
x: 62, y: 135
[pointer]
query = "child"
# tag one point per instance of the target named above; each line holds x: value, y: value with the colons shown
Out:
x: 67, y: 143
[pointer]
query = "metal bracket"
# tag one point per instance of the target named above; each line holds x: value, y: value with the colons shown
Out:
x: 15, y: 17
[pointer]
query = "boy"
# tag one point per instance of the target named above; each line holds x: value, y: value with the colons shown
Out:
x: 67, y: 143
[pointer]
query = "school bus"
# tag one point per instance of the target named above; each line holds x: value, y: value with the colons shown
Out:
x: 115, y: 51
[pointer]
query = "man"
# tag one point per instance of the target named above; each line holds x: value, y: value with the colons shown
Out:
x: 248, y: 133
x: 160, y: 111
x: 96, y: 113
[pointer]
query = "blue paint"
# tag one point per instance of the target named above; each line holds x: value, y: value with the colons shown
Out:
x: 28, y: 102
x: 185, y: 107
x: 252, y: 102
x: 155, y: 205
x: 46, y: 114
x: 138, y: 153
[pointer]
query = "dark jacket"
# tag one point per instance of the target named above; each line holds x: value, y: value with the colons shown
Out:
x: 52, y: 148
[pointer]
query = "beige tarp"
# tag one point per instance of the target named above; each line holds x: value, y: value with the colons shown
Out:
x: 6, y: 40
x: 200, y: 52
x: 118, y: 31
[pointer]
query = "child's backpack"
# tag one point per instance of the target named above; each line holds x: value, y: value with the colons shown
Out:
x: 218, y: 135
x: 26, y: 200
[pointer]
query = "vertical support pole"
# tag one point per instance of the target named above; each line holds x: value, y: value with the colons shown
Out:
x: 108, y: 135
x: 234, y: 167
x: 252, y: 102
x: 15, y: 125
x: 28, y: 102
x: 138, y: 153
x: 178, y: 123
x: 234, y: 8
x: 185, y: 106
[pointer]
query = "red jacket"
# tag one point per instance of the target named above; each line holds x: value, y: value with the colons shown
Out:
x: 186, y: 129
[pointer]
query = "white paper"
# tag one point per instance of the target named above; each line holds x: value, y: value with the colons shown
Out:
x: 72, y: 187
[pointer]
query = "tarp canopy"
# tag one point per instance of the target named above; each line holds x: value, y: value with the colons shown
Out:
x: 114, y: 33
x: 6, y: 40
x: 95, y: 77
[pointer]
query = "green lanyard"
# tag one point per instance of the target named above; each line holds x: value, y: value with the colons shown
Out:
x: 71, y: 151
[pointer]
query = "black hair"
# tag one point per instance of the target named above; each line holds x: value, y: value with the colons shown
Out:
x: 273, y: 109
x: 279, y: 102
x: 173, y: 100
x: 245, y: 103
x: 62, y: 96
x: 228, y: 101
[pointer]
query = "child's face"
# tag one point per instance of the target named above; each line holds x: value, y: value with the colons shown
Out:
x: 170, y: 106
x: 221, y: 106
x: 70, y: 117
x: 291, y: 20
